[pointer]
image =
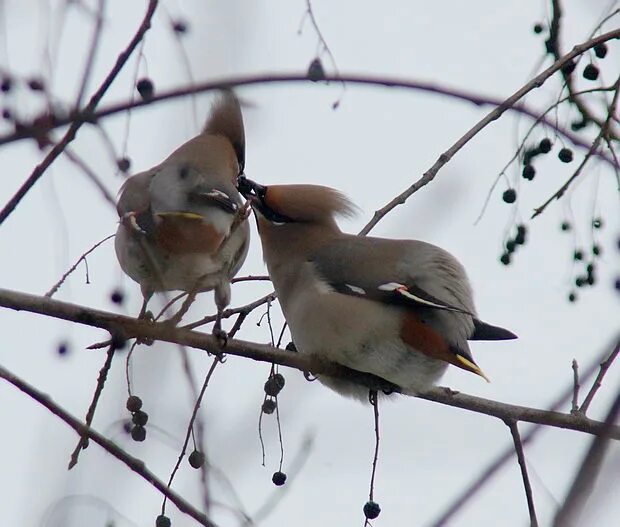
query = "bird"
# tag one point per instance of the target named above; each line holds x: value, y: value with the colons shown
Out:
x: 182, y: 223
x: 397, y: 310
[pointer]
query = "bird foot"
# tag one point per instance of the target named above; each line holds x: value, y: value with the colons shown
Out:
x: 221, y: 336
x: 147, y: 316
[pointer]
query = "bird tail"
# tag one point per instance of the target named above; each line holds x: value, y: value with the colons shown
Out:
x: 226, y: 120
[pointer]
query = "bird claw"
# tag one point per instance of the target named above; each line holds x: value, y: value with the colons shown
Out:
x: 147, y: 316
x: 221, y: 336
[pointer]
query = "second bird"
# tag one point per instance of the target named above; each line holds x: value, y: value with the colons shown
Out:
x: 182, y: 226
x: 400, y: 310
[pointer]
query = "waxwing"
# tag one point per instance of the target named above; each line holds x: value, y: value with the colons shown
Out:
x: 401, y: 310
x: 182, y: 224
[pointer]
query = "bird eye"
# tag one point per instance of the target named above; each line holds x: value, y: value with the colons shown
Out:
x: 183, y: 172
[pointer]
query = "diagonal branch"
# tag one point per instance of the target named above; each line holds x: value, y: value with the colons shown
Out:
x: 134, y: 464
x: 81, y: 117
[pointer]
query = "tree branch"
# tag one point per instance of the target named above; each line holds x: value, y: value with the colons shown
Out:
x: 134, y: 464
x: 128, y: 327
x: 78, y: 119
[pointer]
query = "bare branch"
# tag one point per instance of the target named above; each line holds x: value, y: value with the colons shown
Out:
x: 516, y: 438
x: 583, y: 484
x: 128, y: 327
x: 81, y: 117
x: 598, y: 382
x: 134, y: 464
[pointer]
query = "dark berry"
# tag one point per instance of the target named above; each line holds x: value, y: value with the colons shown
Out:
x: 278, y: 478
x: 529, y: 172
x: 590, y: 72
x: 565, y: 226
x: 545, y: 145
x: 117, y: 296
x: 505, y: 258
x: 617, y: 284
x: 580, y: 281
x: 521, y: 233
x: 565, y: 155
x: 6, y: 84
x: 371, y: 510
x: 274, y: 384
x: 138, y: 433
x: 36, y: 84
x: 578, y: 255
x: 269, y: 406
x: 134, y: 403
x: 575, y: 126
x: 596, y: 250
x: 145, y: 89
x: 63, y: 348
x: 315, y: 70
x: 591, y: 279
x: 162, y: 521
x: 572, y: 297
x: 7, y: 115
x: 123, y: 164
x: 597, y: 223
x: 127, y: 426
x: 600, y: 50
x: 179, y: 26
x: 196, y: 459
x: 569, y: 67
x: 538, y: 28
x: 511, y: 246
x: 510, y: 195
x: 140, y: 418
x: 590, y: 268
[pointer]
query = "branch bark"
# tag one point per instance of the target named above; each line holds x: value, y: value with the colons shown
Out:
x: 127, y: 327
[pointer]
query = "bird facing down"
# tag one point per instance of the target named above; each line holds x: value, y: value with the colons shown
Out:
x: 182, y: 225
x: 401, y: 310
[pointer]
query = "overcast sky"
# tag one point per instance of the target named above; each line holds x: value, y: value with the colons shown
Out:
x: 372, y: 147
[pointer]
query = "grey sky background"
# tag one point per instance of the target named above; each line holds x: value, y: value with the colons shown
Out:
x: 372, y: 147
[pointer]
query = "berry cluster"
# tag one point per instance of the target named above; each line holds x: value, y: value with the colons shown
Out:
x: 512, y: 244
x: 139, y: 418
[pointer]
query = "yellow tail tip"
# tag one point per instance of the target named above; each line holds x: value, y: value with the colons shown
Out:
x: 471, y: 366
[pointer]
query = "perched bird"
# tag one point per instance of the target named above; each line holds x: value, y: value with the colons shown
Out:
x: 182, y: 224
x: 400, y: 310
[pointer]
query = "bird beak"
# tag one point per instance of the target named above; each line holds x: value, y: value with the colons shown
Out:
x: 250, y: 189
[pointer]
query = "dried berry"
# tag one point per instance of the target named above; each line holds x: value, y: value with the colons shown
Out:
x: 371, y: 510
x: 315, y: 70
x: 600, y: 50
x: 597, y: 223
x: 162, y: 521
x: 578, y: 254
x: 590, y: 72
x: 123, y: 164
x: 565, y: 155
x: 36, y: 84
x: 140, y: 418
x: 565, y: 226
x: 505, y: 259
x: 529, y: 172
x: 511, y: 245
x: 538, y: 28
x: 134, y: 403
x: 572, y: 297
x: 274, y: 384
x: 269, y: 406
x: 6, y: 84
x: 510, y: 195
x: 63, y: 348
x: 196, y: 459
x: 545, y: 145
x: 180, y: 26
x: 145, y: 89
x: 596, y: 250
x: 278, y: 478
x: 138, y: 433
x: 117, y: 296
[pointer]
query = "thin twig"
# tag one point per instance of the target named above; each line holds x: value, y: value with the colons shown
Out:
x: 598, y: 382
x: 94, y: 47
x: 227, y: 313
x: 134, y: 464
x: 58, y: 284
x: 81, y: 117
x: 574, y: 408
x: 516, y: 437
x: 190, y: 427
x: 90, y: 414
